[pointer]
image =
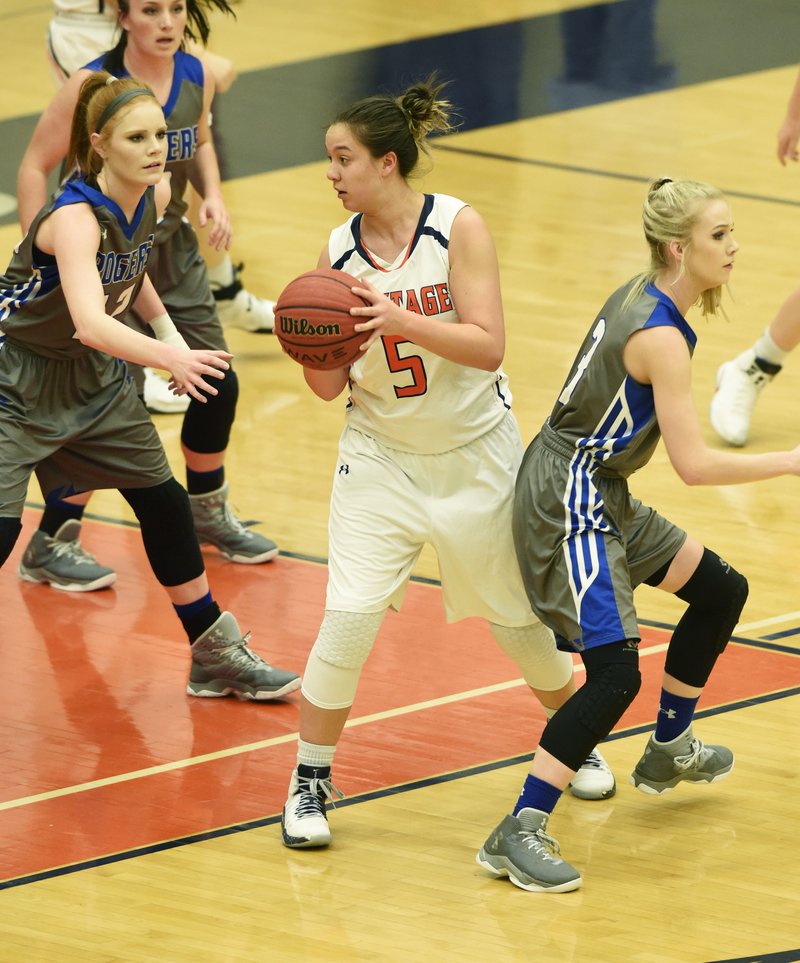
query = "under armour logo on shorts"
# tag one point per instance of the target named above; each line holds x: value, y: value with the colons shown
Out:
x: 344, y: 469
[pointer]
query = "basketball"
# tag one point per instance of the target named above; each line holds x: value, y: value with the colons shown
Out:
x: 313, y: 321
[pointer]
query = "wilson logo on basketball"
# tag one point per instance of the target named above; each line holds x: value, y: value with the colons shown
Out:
x: 303, y: 327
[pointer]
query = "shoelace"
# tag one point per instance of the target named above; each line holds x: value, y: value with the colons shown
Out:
x: 691, y: 758
x: 541, y: 842
x: 239, y: 652
x: 313, y: 793
x: 593, y: 761
x: 74, y: 551
x: 227, y: 516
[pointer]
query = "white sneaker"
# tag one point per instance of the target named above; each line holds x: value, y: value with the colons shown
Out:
x: 304, y: 824
x: 739, y: 383
x: 238, y: 308
x: 159, y: 399
x: 594, y: 780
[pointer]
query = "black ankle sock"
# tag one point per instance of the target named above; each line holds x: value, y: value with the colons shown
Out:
x: 768, y: 367
x: 198, y: 616
x: 203, y: 482
x: 56, y: 514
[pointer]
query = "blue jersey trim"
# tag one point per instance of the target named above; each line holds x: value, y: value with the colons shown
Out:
x: 77, y: 191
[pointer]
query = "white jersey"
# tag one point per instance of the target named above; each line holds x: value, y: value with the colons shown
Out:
x: 77, y: 33
x: 404, y: 396
x: 83, y: 6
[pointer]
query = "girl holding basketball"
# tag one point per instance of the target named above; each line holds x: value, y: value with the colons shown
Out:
x: 150, y: 48
x: 70, y: 409
x: 430, y: 449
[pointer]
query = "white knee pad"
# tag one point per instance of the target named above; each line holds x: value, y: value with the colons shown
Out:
x: 533, y: 648
x: 334, y: 664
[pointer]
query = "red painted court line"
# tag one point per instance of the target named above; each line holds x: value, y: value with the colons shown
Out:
x: 102, y: 694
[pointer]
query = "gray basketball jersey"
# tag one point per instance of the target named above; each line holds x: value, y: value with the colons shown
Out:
x: 602, y: 413
x: 33, y: 309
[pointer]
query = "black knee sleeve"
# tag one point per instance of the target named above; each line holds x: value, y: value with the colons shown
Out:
x: 207, y: 426
x: 716, y: 594
x: 168, y: 531
x: 9, y: 533
x: 612, y: 682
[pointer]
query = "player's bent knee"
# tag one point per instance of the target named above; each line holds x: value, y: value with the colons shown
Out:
x: 716, y: 593
x: 207, y: 425
x: 168, y: 534
x: 344, y: 641
x: 329, y: 686
x: 533, y: 648
x: 606, y: 694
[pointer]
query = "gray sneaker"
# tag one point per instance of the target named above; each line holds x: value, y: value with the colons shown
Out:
x: 61, y: 561
x: 216, y: 525
x: 521, y: 849
x: 664, y: 765
x: 223, y: 664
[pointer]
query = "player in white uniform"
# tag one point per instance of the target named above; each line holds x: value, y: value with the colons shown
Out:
x: 430, y: 450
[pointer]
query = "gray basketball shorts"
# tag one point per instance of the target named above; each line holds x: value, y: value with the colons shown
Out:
x: 77, y: 423
x: 583, y: 545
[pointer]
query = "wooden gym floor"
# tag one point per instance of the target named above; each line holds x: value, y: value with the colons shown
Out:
x: 137, y: 824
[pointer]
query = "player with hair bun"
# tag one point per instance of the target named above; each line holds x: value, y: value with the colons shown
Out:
x: 70, y: 410
x: 430, y: 449
x: 584, y: 542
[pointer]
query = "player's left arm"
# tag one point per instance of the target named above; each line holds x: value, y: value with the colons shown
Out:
x: 660, y: 357
x: 205, y: 177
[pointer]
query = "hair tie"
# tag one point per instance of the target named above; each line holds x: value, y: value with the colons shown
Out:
x: 119, y: 101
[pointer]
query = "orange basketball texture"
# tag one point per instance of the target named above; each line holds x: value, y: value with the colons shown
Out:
x: 313, y: 321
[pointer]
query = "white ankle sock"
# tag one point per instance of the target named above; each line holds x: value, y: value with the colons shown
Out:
x: 222, y: 273
x: 766, y: 349
x: 309, y: 754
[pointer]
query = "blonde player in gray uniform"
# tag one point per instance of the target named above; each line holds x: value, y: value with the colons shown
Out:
x: 584, y: 543
x: 69, y: 407
x: 430, y: 449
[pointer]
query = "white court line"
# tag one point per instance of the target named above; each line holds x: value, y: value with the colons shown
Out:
x: 276, y: 741
x: 775, y: 620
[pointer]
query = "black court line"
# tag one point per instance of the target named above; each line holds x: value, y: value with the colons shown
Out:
x: 599, y: 172
x: 764, y: 642
x: 360, y: 798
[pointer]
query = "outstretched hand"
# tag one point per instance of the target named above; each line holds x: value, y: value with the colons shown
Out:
x: 191, y: 368
x: 788, y: 136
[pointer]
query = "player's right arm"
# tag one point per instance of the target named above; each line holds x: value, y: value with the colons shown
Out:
x: 47, y: 149
x: 72, y: 235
